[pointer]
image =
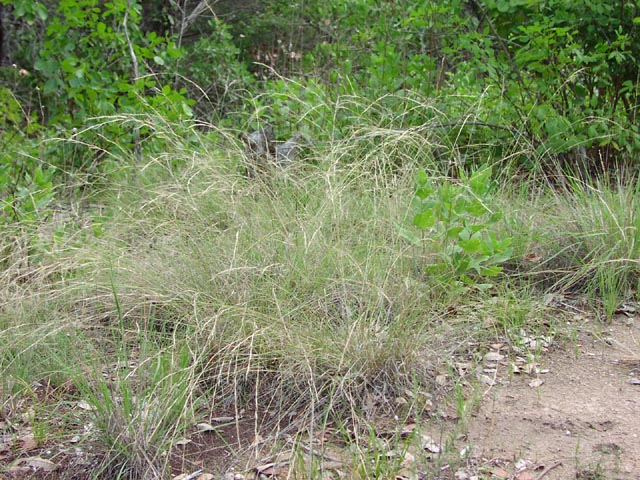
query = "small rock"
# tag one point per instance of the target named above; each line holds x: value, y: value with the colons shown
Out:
x: 493, y: 357
x: 525, y: 476
x: 204, y: 427
x: 628, y: 321
x: 84, y: 405
x: 462, y: 475
x: 428, y: 444
x: 500, y: 472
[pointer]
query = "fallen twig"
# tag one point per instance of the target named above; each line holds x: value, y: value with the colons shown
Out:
x: 548, y: 470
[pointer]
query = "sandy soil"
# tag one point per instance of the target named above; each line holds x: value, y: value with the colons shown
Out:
x: 583, y: 421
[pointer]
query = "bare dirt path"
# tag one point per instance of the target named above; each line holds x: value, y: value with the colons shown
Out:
x: 583, y: 421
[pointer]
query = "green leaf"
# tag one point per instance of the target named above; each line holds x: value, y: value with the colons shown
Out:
x: 77, y: 82
x: 460, y: 205
x: 464, y: 234
x: 41, y: 11
x: 502, y: 257
x: 454, y: 232
x: 68, y: 65
x: 187, y: 109
x: 503, y: 6
x: 158, y: 60
x: 48, y: 66
x: 471, y: 245
x: 173, y: 51
x: 51, y: 86
x: 479, y: 181
x: 424, y: 219
x: 424, y: 192
x: 422, y: 177
x: 462, y: 263
x: 477, y: 209
x: 495, y: 217
x: 492, y: 271
x: 18, y: 9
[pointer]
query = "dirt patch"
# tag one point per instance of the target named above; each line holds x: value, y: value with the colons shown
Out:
x: 217, y: 447
x: 583, y: 421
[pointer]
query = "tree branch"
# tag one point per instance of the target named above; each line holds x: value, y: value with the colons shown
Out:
x: 135, y: 74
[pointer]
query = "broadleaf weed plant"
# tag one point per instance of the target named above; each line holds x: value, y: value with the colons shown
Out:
x: 456, y: 220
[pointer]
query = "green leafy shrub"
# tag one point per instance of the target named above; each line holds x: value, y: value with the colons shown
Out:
x: 87, y: 63
x: 94, y: 87
x: 456, y: 219
x: 295, y: 104
x: 557, y: 80
x: 564, y: 74
x: 93, y: 60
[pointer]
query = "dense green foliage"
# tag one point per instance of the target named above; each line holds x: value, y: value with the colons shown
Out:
x: 547, y: 84
x: 82, y: 64
x: 555, y: 78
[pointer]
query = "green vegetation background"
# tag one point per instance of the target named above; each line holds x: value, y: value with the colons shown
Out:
x: 84, y: 83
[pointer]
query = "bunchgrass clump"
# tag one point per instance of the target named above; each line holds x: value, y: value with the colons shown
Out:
x: 605, y: 224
